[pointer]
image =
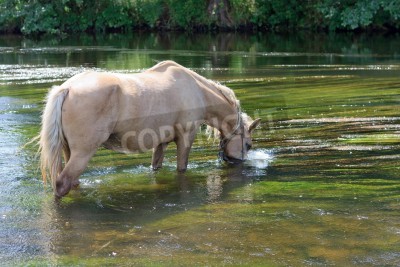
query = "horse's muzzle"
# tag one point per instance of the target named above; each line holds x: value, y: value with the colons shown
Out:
x: 228, y: 159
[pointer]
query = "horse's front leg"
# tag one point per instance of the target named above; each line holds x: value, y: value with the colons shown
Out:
x: 158, y: 156
x: 184, y: 142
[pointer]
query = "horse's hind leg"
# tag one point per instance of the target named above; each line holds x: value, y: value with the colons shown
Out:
x: 67, y: 156
x: 82, y: 144
x: 68, y: 178
x: 67, y: 153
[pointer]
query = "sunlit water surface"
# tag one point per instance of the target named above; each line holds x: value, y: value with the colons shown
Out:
x: 321, y: 186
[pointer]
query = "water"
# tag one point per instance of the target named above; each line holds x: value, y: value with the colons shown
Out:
x: 259, y: 158
x: 321, y: 186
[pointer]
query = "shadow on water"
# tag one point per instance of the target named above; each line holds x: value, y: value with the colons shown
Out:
x: 321, y: 188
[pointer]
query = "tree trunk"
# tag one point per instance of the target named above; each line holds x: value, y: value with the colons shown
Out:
x: 219, y: 12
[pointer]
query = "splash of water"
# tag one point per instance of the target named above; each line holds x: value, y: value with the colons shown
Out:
x: 259, y: 158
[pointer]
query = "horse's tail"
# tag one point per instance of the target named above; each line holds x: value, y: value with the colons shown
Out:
x: 51, y: 135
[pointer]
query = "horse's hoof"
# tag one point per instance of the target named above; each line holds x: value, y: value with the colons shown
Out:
x: 75, y: 184
x: 182, y: 170
x: 62, y: 189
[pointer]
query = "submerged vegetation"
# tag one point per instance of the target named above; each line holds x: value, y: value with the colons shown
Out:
x: 328, y: 195
x: 68, y: 16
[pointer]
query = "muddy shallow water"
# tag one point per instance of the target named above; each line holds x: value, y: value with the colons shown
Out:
x: 322, y: 186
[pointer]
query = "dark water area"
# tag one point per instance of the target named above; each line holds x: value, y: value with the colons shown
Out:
x: 321, y: 186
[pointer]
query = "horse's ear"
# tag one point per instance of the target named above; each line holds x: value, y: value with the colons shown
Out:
x: 254, y: 124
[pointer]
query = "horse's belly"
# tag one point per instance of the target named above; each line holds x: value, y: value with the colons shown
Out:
x: 114, y: 143
x: 126, y: 143
x: 134, y: 141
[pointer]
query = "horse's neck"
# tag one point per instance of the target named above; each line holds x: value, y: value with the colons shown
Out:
x: 223, y: 116
x: 221, y: 107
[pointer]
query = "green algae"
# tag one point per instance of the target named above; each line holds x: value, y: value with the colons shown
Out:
x: 329, y: 195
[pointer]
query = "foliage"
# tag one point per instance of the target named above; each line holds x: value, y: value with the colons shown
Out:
x: 149, y: 11
x: 352, y: 14
x: 288, y: 14
x: 68, y: 16
x: 242, y: 11
x: 187, y: 14
x: 10, y: 15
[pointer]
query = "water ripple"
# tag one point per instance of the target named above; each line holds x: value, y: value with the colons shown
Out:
x: 31, y: 74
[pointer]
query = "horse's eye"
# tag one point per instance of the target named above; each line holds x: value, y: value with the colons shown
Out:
x: 248, y: 146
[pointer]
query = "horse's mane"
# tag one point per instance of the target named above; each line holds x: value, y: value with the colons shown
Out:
x: 214, y: 133
x: 228, y: 93
x: 229, y: 96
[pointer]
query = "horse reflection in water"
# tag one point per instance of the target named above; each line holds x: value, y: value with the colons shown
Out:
x: 122, y: 220
x: 133, y: 113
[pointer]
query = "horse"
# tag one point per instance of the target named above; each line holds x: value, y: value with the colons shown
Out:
x: 133, y: 113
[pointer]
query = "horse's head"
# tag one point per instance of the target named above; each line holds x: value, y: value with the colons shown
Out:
x: 234, y: 148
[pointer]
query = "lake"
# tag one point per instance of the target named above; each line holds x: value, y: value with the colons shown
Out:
x: 321, y: 186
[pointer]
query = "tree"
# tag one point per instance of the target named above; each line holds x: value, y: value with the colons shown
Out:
x: 67, y: 16
x: 219, y: 10
x: 360, y: 13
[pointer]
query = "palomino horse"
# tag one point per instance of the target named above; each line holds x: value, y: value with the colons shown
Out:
x: 133, y: 113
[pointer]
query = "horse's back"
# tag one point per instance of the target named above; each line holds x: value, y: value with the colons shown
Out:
x: 165, y: 78
x: 116, y: 103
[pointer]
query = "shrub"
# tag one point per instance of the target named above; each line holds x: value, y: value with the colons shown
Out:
x: 188, y: 14
x: 66, y: 16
